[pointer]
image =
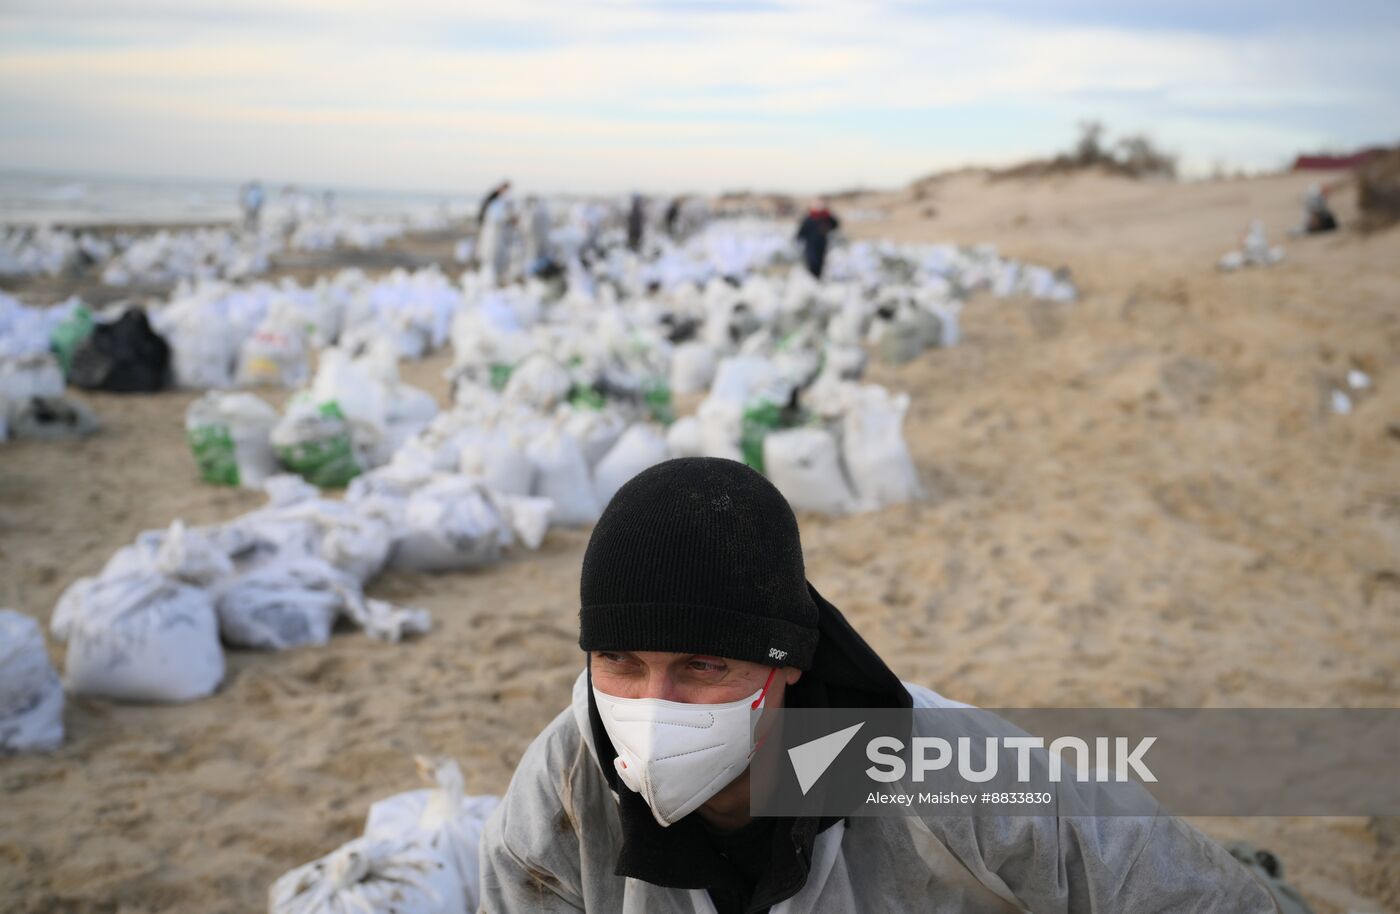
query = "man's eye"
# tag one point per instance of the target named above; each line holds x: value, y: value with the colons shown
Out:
x: 611, y: 657
x: 706, y: 666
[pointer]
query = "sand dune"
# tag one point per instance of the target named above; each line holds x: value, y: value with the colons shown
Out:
x: 1140, y: 499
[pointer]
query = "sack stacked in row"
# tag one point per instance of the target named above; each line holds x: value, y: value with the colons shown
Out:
x: 418, y: 855
x: 832, y: 447
x: 446, y: 521
x: 352, y: 417
x: 211, y: 253
x: 32, y: 404
x: 572, y: 456
x: 264, y: 334
x: 49, y: 251
x: 148, y: 626
x: 31, y: 696
x: 340, y: 232
x: 145, y: 628
x: 37, y: 350
x: 577, y: 371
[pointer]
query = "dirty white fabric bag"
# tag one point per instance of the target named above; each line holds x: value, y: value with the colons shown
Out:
x: 496, y: 456
x: 142, y: 636
x: 595, y: 430
x: 230, y: 436
x: 683, y: 438
x: 539, y: 382
x: 721, y: 423
x: 562, y: 477
x: 442, y: 817
x: 31, y: 695
x: 204, y: 346
x: 693, y: 367
x: 409, y: 410
x: 949, y: 315
x: 876, y: 456
x: 298, y: 521
x: 372, y: 876
x: 275, y: 355
x: 29, y: 376
x: 743, y: 379
x: 450, y: 524
x: 804, y: 464
x: 199, y: 557
x: 640, y: 447
x: 194, y: 556
x: 287, y: 603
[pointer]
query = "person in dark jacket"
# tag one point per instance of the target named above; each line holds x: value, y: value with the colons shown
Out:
x: 489, y: 199
x: 673, y: 212
x: 813, y: 232
x: 1317, y: 215
x: 636, y: 223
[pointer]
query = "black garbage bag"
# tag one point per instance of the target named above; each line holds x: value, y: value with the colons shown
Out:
x: 125, y: 356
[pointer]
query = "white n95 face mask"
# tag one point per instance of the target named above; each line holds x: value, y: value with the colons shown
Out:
x: 679, y: 755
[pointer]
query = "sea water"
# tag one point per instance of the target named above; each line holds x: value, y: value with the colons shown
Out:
x: 34, y: 198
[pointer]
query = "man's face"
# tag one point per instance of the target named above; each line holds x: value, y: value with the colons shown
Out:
x: 688, y: 678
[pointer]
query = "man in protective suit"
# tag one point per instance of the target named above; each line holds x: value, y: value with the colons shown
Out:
x: 696, y: 610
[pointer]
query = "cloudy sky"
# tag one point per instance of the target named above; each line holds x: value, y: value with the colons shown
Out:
x: 610, y: 95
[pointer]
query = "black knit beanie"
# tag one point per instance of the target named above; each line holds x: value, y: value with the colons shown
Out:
x: 698, y: 555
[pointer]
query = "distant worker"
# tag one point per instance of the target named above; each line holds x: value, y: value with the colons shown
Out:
x: 673, y: 213
x: 636, y: 222
x: 497, y: 238
x: 1317, y: 216
x: 587, y: 218
x: 490, y: 198
x: 538, y: 255
x: 814, y: 232
x: 250, y: 201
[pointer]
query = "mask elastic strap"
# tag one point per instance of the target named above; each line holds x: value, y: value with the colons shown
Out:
x: 761, y: 695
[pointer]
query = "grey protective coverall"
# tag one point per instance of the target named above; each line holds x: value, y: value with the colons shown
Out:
x: 553, y: 845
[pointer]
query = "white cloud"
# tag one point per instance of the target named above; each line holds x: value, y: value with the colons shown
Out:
x: 613, y: 95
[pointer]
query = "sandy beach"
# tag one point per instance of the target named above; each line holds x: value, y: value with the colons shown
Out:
x: 1140, y: 499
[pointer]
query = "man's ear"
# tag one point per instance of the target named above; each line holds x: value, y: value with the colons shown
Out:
x: 791, y: 674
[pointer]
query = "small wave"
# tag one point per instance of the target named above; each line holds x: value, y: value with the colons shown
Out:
x: 66, y: 192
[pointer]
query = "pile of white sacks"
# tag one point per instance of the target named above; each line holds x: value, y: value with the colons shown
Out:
x: 560, y: 396
x: 45, y: 251
x: 168, y: 255
x: 25, y: 331
x: 263, y: 334
x: 200, y: 253
x: 151, y: 624
x: 333, y: 232
x: 779, y: 354
x: 562, y: 393
x: 353, y: 415
x: 1254, y: 250
x: 27, y: 368
x: 418, y: 855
